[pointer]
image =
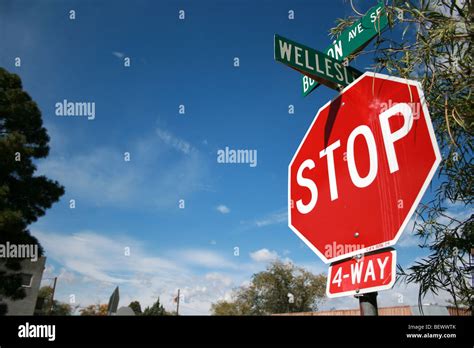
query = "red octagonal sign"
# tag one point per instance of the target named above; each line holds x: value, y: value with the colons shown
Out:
x: 362, y: 167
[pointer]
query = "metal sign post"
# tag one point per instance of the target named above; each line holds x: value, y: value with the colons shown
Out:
x: 368, y: 303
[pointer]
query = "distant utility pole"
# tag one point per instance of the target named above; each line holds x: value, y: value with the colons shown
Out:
x: 177, y: 304
x: 52, y: 295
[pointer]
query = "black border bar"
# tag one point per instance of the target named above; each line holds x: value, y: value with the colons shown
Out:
x: 287, y: 330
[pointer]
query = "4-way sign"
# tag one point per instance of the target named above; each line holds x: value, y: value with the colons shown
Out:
x: 359, y: 275
x: 362, y: 168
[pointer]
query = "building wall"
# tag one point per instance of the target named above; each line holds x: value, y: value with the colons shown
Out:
x: 26, y: 306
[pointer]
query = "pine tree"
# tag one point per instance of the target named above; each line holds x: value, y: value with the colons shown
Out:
x: 136, y: 307
x: 24, y: 197
x: 156, y: 309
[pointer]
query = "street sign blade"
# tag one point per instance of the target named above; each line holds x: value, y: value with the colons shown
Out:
x: 356, y: 276
x: 352, y: 40
x: 320, y: 67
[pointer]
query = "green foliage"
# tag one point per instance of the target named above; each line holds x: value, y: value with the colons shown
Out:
x: 229, y: 308
x: 269, y: 290
x: 156, y: 309
x: 435, y: 48
x: 61, y: 309
x: 45, y: 295
x: 23, y: 197
x: 136, y: 307
x: 95, y: 309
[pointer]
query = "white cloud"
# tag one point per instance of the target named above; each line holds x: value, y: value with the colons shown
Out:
x: 271, y: 219
x: 119, y: 55
x: 93, y: 264
x: 205, y: 258
x: 154, y: 178
x: 58, y: 140
x: 315, y: 267
x: 102, y: 258
x: 219, y: 278
x: 453, y: 216
x: 174, y: 141
x: 408, y: 238
x: 66, y: 276
x: 93, y: 175
x: 264, y: 255
x: 223, y: 209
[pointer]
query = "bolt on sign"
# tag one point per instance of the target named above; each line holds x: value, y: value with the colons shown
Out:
x: 362, y: 167
x: 359, y: 275
x: 320, y: 67
x: 353, y: 39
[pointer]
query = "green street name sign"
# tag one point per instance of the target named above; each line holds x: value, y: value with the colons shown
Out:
x: 318, y: 66
x: 353, y: 39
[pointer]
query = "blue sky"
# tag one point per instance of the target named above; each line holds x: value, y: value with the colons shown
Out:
x: 134, y: 204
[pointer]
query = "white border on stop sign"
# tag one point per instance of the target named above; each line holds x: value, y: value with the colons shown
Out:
x: 366, y: 290
x: 430, y: 175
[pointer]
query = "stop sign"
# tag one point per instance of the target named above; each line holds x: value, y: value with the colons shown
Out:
x: 362, y: 167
